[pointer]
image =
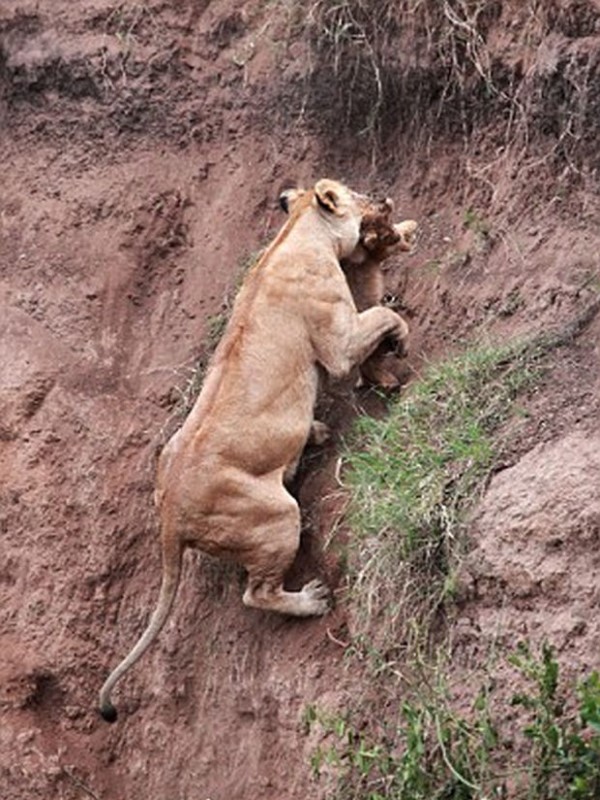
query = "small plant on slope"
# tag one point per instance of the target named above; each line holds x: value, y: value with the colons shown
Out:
x: 432, y: 752
x: 565, y: 755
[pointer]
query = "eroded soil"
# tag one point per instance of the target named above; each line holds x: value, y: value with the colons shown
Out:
x: 143, y: 148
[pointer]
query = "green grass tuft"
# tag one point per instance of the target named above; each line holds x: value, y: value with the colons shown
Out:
x: 413, y: 474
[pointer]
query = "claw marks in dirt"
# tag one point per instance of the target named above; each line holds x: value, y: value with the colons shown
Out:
x: 157, y: 235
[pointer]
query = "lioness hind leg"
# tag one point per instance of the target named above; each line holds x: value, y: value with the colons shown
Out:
x: 311, y: 601
x: 274, y: 551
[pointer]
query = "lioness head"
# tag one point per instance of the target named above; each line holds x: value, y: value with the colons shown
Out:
x: 339, y: 207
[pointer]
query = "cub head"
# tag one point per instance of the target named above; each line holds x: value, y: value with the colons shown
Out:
x: 380, y: 237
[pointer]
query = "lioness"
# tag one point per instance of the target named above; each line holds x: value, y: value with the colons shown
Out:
x: 220, y: 484
x: 379, y: 239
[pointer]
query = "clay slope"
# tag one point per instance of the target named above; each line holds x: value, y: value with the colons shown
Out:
x: 144, y: 146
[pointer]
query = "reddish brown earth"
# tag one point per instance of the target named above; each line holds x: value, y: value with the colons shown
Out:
x: 143, y: 146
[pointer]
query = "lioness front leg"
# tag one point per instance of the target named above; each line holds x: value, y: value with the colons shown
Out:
x: 356, y: 336
x: 374, y: 325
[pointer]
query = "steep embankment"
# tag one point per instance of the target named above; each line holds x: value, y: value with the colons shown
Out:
x: 144, y: 146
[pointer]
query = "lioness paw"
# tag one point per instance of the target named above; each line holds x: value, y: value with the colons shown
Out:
x: 316, y: 588
x: 317, y: 596
x: 400, y: 333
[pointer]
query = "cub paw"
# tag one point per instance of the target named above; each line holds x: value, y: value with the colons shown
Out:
x: 319, y: 433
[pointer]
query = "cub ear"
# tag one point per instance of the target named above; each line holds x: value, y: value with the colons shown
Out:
x: 406, y: 230
x: 328, y: 195
x: 377, y: 241
x: 370, y: 240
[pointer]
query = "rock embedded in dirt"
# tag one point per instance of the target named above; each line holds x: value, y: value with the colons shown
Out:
x: 534, y: 571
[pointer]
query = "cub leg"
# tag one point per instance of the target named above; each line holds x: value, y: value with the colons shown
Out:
x: 320, y: 433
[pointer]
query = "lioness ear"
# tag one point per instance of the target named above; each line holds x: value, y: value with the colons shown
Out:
x: 288, y: 197
x: 327, y: 195
x: 283, y: 202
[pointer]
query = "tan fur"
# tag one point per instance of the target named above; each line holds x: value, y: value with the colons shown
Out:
x: 220, y: 484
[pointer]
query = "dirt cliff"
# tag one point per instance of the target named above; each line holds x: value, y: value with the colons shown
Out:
x: 143, y: 147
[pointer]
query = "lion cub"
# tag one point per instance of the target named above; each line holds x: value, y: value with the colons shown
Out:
x: 379, y: 239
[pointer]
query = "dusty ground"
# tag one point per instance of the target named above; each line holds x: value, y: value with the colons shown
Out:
x: 143, y: 146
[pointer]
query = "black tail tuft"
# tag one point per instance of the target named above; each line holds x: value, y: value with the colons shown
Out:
x: 108, y: 712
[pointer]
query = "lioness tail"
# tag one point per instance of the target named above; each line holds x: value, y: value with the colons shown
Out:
x: 168, y: 590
